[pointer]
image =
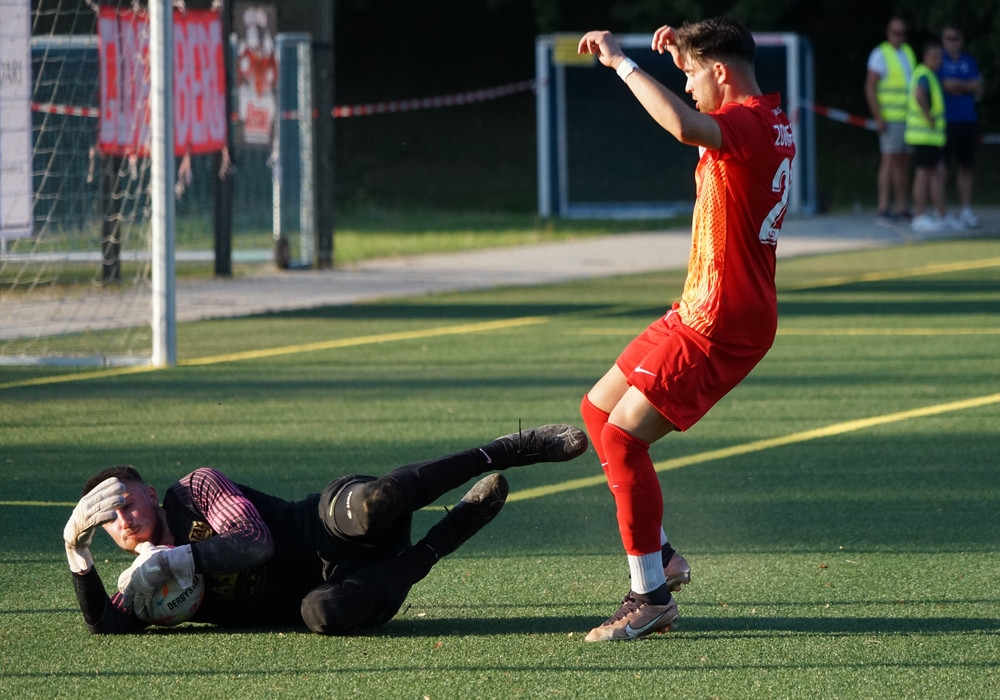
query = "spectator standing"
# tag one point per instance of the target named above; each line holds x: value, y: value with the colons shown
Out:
x: 962, y: 85
x: 890, y: 67
x: 925, y: 133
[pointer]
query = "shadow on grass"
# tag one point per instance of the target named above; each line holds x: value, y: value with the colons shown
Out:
x: 919, y: 297
x: 708, y: 627
x: 704, y: 627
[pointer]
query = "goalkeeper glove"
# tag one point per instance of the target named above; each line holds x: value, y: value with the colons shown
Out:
x: 93, y: 510
x: 152, y: 568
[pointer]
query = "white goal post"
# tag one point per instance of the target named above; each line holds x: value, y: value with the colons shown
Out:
x: 96, y: 213
x: 601, y: 156
x: 161, y: 110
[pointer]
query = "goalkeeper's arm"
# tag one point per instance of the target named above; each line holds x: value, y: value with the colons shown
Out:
x: 241, y: 539
x: 102, y: 614
x: 97, y: 507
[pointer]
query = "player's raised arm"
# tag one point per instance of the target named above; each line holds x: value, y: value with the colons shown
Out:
x: 97, y: 507
x: 686, y: 124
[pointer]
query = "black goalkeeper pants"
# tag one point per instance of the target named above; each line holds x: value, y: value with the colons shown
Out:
x: 368, y: 574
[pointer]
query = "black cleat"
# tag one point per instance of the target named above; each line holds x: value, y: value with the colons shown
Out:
x: 475, y: 509
x: 548, y: 443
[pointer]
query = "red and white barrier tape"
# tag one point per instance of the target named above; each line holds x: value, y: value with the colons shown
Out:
x: 463, y: 98
x: 68, y: 110
x: 839, y: 115
x: 472, y: 97
x: 357, y: 110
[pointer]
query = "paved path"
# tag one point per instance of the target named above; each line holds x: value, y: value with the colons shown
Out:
x: 272, y: 290
x: 527, y: 265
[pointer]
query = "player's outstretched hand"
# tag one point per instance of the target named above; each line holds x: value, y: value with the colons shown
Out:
x: 152, y: 568
x: 602, y: 44
x: 665, y: 41
x: 93, y: 510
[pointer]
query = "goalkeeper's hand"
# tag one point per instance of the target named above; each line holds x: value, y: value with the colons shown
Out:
x: 93, y: 510
x: 152, y: 568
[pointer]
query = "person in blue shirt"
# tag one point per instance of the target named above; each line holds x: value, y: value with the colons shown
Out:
x: 962, y: 85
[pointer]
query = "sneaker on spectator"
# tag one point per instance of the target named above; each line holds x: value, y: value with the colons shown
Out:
x: 968, y: 219
x: 885, y: 218
x: 951, y: 223
x: 925, y: 223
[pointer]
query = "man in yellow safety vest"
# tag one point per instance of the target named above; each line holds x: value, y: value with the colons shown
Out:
x: 890, y: 68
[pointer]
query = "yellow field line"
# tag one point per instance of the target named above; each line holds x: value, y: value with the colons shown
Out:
x: 79, y: 376
x: 833, y: 331
x: 475, y: 328
x: 770, y: 443
x: 292, y: 349
x: 889, y: 331
x: 937, y: 269
x: 713, y: 455
x: 369, y: 340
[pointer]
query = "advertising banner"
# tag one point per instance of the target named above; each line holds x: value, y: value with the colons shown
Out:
x: 199, y: 82
x: 256, y: 73
x: 16, y: 189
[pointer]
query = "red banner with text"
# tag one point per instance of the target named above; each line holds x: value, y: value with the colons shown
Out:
x: 199, y: 82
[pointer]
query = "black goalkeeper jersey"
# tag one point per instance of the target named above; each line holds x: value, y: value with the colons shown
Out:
x: 259, y: 555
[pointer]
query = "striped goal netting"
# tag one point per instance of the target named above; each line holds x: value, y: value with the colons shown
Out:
x: 75, y: 276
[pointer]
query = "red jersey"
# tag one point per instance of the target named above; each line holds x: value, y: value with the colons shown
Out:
x: 742, y: 192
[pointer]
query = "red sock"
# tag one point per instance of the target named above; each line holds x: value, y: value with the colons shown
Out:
x: 636, y: 488
x: 595, y: 418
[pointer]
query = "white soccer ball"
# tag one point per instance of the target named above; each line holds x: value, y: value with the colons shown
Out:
x: 171, y: 603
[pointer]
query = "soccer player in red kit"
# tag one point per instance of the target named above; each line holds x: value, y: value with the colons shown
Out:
x: 684, y: 362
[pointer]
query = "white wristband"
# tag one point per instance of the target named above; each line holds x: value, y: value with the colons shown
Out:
x: 625, y: 68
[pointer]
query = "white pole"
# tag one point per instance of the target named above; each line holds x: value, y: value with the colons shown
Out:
x: 307, y: 226
x: 543, y: 89
x: 795, y: 112
x: 161, y: 126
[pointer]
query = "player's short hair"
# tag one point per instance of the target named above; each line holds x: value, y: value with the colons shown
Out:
x: 716, y: 39
x: 122, y: 472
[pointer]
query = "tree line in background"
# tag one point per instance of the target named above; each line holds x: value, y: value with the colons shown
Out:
x: 386, y: 46
x: 387, y: 49
x: 482, y: 156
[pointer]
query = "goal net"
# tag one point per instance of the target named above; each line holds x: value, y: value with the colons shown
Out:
x: 601, y: 156
x: 75, y: 283
x: 77, y: 270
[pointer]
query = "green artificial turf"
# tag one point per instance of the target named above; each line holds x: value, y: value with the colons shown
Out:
x: 840, y: 508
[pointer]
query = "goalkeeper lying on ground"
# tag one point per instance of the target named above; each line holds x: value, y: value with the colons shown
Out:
x: 340, y: 560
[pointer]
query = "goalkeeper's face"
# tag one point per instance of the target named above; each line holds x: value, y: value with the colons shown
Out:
x: 139, y: 520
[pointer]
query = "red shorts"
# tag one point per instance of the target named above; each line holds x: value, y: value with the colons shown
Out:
x: 683, y: 373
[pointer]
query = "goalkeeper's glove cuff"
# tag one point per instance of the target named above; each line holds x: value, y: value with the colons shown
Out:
x: 80, y: 561
x: 181, y: 563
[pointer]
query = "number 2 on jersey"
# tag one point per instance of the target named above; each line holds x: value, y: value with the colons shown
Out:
x: 772, y: 222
